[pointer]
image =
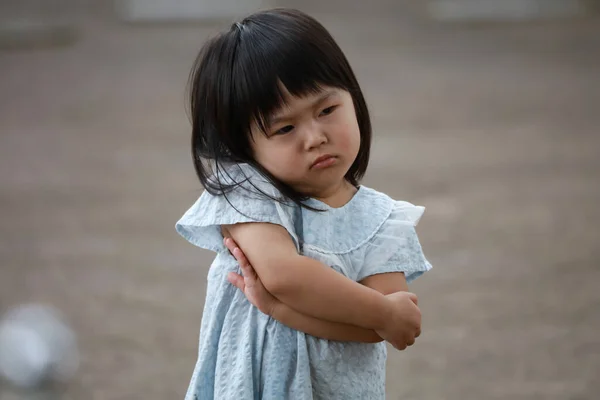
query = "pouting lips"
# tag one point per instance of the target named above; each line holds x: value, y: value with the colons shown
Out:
x: 324, y: 161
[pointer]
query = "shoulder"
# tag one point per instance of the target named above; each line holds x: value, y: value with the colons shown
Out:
x: 247, y: 191
x: 395, y: 246
x: 251, y: 198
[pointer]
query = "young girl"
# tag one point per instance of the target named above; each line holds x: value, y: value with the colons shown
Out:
x: 280, y: 140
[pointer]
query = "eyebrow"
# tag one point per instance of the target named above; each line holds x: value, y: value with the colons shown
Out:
x: 319, y: 100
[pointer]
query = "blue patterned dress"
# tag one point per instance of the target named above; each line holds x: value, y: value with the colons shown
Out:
x: 246, y: 355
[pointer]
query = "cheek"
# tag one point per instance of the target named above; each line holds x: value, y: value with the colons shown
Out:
x: 349, y: 138
x: 280, y: 161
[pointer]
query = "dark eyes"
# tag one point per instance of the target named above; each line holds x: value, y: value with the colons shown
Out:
x: 284, y: 130
x: 328, y: 110
x: 289, y: 128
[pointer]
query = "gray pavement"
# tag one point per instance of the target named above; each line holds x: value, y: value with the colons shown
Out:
x: 494, y: 128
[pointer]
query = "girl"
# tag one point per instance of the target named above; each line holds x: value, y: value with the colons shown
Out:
x: 280, y: 140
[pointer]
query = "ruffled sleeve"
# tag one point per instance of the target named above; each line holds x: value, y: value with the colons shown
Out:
x: 395, y: 247
x: 249, y: 202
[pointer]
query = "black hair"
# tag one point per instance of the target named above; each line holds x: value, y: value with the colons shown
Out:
x: 237, y: 81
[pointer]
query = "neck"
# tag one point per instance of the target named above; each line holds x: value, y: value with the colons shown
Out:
x: 338, y: 196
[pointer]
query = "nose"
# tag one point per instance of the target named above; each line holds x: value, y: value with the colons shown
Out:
x: 315, y: 136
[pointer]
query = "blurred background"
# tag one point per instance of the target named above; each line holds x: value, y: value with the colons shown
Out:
x: 487, y: 112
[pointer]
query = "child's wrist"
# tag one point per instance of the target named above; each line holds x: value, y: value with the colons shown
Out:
x: 385, y: 313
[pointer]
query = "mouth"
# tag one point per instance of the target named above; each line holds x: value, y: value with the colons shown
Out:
x: 324, y: 161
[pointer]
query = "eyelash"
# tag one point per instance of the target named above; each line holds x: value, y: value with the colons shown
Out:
x: 283, y: 132
x: 331, y: 109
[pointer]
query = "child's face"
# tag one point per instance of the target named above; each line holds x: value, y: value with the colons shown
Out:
x: 304, y: 132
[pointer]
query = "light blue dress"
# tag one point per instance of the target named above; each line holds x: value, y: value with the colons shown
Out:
x: 246, y: 355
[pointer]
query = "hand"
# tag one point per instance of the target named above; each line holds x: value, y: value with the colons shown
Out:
x: 404, y: 324
x: 250, y: 283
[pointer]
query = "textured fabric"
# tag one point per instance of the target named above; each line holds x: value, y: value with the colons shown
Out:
x: 246, y: 355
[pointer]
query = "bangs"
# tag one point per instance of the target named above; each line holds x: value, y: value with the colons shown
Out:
x: 242, y: 76
x: 276, y: 58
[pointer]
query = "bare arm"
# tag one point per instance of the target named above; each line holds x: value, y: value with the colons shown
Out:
x: 384, y: 283
x: 304, y: 284
x: 387, y: 283
x: 322, y: 328
x: 251, y: 285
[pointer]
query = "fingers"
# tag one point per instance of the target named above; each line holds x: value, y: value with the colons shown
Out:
x: 236, y: 280
x: 414, y: 298
x: 406, y: 341
x: 404, y: 344
x: 235, y: 251
x: 247, y: 270
x: 240, y: 257
x: 412, y: 339
x: 400, y: 346
x: 230, y: 244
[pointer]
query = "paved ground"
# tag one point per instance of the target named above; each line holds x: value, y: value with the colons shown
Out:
x: 495, y: 129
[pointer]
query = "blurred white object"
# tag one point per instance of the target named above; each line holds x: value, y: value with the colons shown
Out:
x: 36, y: 347
x: 504, y: 9
x: 167, y: 10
